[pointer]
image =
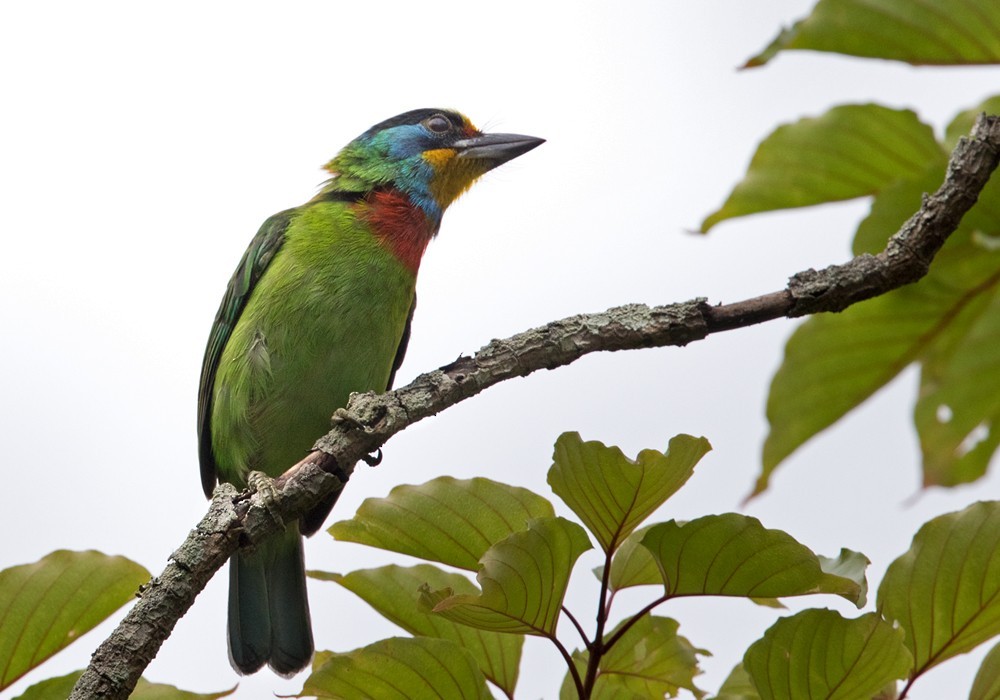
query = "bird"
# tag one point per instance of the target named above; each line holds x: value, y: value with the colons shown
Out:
x: 320, y: 305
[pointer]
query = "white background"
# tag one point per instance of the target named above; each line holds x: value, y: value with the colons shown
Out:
x: 142, y: 144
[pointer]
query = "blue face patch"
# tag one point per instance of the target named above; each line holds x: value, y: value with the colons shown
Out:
x: 404, y: 146
x: 404, y: 142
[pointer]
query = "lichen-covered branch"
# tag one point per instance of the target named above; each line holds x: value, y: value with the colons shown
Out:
x: 236, y: 519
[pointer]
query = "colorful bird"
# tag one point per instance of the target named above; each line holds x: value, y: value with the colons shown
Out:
x: 320, y: 306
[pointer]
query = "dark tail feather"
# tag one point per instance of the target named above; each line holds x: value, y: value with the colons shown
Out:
x: 291, y: 629
x: 268, y: 609
x: 249, y: 620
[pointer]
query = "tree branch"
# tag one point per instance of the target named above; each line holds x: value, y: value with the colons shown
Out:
x: 235, y: 520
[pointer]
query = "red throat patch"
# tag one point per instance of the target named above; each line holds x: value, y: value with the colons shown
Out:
x: 399, y: 224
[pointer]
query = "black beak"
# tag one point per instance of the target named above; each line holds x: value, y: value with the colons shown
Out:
x: 496, y: 148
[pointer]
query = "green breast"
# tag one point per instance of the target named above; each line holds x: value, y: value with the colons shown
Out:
x: 324, y: 320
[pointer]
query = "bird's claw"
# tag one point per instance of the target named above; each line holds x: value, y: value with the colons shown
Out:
x: 344, y: 417
x: 264, y: 486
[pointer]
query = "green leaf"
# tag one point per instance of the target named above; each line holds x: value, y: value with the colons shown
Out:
x: 144, y: 690
x: 893, y: 205
x: 447, y: 520
x: 418, y: 668
x: 632, y: 565
x: 613, y: 494
x: 850, y: 565
x: 844, y: 358
x: 394, y: 591
x: 987, y: 683
x: 945, y: 591
x: 819, y: 654
x: 958, y: 410
x: 961, y: 125
x: 737, y: 686
x: 59, y: 687
x: 945, y: 322
x: 934, y: 32
x: 942, y: 322
x: 47, y: 605
x: 62, y: 686
x: 649, y: 661
x: 523, y: 578
x: 734, y: 555
x: 850, y: 151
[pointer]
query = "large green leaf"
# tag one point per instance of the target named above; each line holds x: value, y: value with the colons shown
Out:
x: 893, y: 205
x: 650, y: 660
x: 613, y: 494
x: 945, y: 322
x: 411, y: 668
x: 961, y: 125
x: 959, y: 398
x: 819, y: 654
x: 144, y: 690
x: 735, y: 555
x: 986, y: 686
x: 49, y: 604
x: 394, y: 592
x: 958, y: 409
x: 945, y: 591
x: 850, y: 151
x: 737, y: 686
x: 59, y: 687
x: 632, y: 565
x: 62, y: 686
x: 523, y: 579
x: 447, y: 520
x: 935, y: 32
x: 850, y: 565
x: 833, y: 363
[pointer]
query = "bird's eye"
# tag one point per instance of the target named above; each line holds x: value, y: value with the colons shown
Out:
x: 439, y: 124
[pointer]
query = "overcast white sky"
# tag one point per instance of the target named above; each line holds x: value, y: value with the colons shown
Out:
x: 142, y: 144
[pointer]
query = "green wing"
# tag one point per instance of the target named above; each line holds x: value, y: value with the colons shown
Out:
x: 403, y: 342
x: 257, y: 257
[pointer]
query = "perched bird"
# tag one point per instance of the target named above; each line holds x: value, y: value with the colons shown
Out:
x: 320, y: 306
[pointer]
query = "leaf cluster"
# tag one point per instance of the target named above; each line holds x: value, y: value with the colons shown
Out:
x: 939, y: 599
x: 47, y: 605
x: 948, y: 323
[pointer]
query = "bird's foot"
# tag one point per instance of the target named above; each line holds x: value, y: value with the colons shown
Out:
x: 264, y: 486
x: 344, y: 417
x: 349, y: 420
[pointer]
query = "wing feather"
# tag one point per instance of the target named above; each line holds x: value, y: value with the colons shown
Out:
x: 257, y: 257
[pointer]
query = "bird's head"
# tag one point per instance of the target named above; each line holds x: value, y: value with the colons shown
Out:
x: 431, y: 155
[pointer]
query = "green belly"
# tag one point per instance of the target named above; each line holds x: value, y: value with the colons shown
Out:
x: 325, y: 320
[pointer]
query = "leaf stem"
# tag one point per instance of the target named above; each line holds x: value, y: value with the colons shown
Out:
x: 579, y: 628
x: 635, y: 618
x: 597, y: 646
x: 569, y: 662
